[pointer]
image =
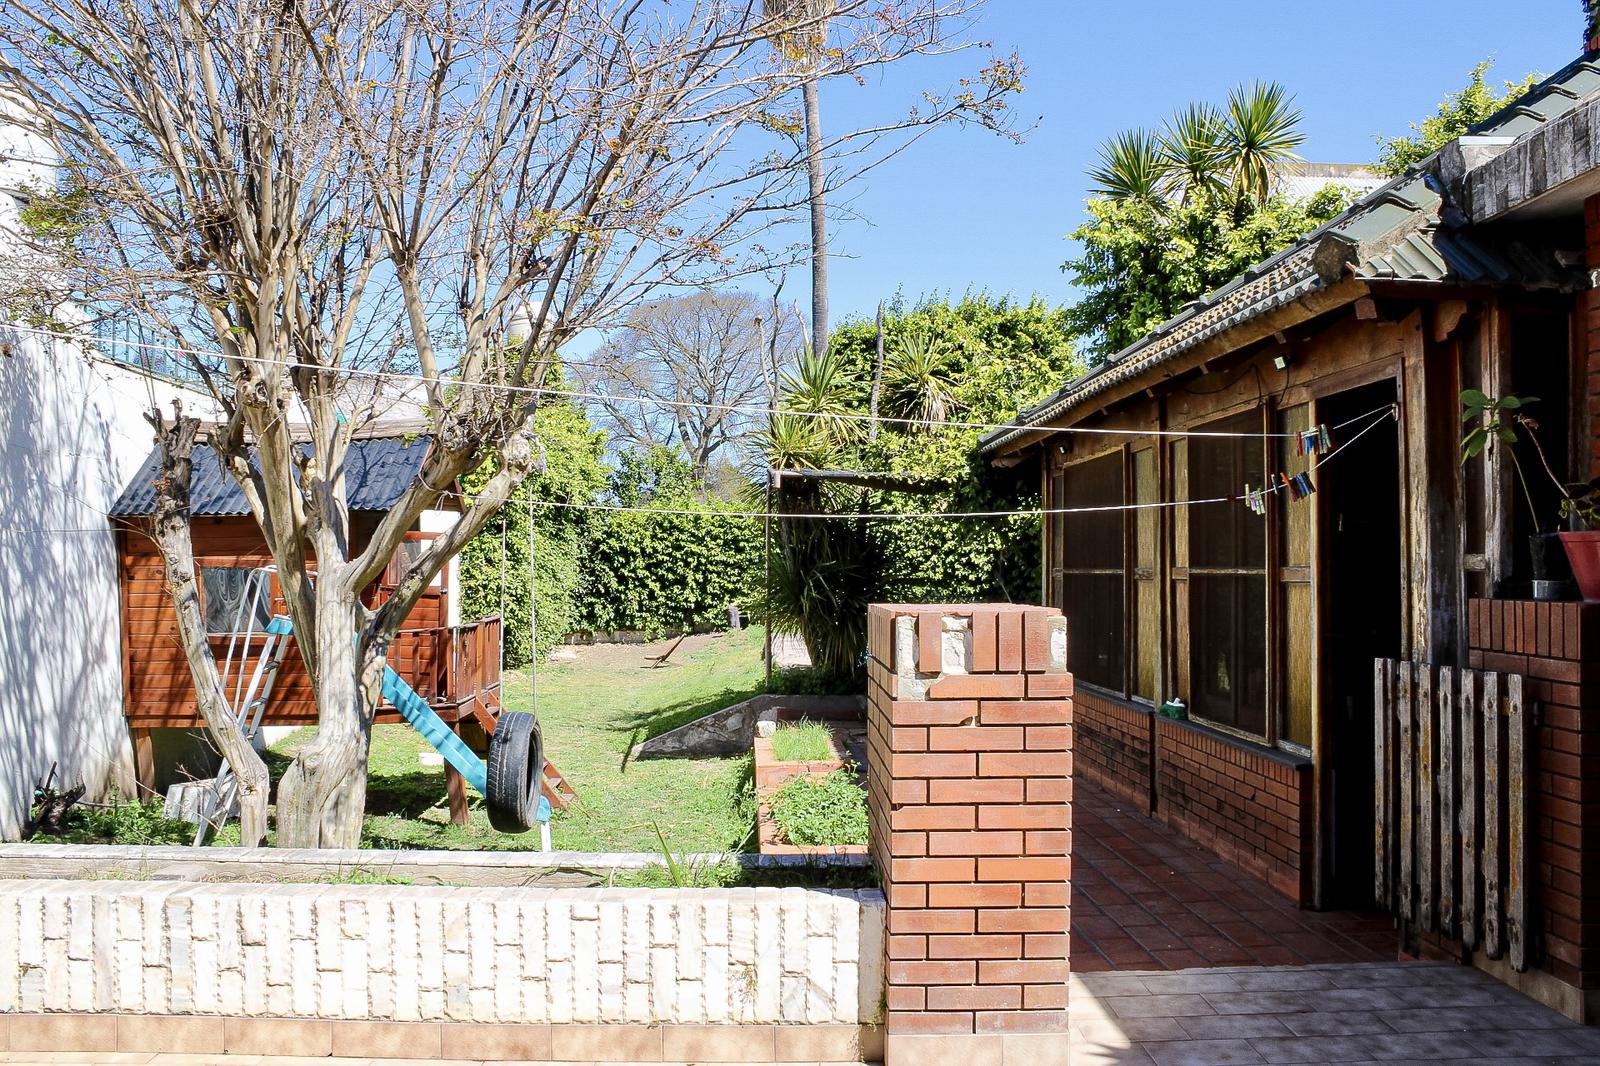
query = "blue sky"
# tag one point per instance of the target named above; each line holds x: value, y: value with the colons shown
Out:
x: 967, y: 209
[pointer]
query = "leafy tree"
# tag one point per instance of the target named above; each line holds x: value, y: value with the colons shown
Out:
x: 1457, y: 113
x: 1260, y: 132
x: 496, y: 578
x: 994, y: 356
x: 1138, y: 266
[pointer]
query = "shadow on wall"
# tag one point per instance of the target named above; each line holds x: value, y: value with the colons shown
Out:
x: 71, y: 432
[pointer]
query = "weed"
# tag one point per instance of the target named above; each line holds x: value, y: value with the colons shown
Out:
x: 822, y: 811
x: 803, y: 742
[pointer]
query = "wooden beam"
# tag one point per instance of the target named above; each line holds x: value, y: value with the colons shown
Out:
x: 1423, y: 704
x: 1517, y: 888
x: 1445, y: 692
x: 1493, y: 943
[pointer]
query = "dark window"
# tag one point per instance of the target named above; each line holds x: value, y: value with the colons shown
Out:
x: 1094, y: 572
x: 234, y: 597
x: 1227, y: 580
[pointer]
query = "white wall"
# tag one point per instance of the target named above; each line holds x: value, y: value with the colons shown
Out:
x: 72, y: 433
x: 407, y: 953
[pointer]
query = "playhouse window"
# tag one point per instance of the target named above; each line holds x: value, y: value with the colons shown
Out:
x: 224, y: 591
x: 1093, y: 577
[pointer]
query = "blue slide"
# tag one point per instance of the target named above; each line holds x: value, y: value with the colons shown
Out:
x: 414, y: 709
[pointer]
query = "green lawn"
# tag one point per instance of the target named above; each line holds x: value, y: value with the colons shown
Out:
x: 592, y: 712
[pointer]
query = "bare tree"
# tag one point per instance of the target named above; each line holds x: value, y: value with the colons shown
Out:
x: 298, y: 193
x: 703, y: 355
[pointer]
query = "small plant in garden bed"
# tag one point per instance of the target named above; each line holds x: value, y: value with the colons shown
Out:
x: 826, y: 811
x: 803, y: 742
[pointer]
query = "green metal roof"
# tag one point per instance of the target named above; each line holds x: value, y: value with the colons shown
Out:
x: 1406, y: 231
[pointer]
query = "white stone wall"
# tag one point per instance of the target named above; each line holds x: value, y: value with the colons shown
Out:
x: 408, y: 953
x: 72, y: 432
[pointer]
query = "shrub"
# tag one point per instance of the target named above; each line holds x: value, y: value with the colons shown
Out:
x: 802, y: 742
x: 822, y: 811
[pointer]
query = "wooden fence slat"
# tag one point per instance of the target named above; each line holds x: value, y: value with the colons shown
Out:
x: 1383, y: 824
x: 1516, y: 825
x: 1470, y: 791
x: 1422, y: 707
x: 1493, y: 944
x: 1407, y: 797
x: 1446, y: 775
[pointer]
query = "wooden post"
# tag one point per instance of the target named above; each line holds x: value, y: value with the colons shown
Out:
x: 1408, y: 799
x: 1423, y: 709
x: 144, y: 761
x: 1492, y: 943
x: 1446, y: 772
x: 455, y: 790
x: 1518, y: 901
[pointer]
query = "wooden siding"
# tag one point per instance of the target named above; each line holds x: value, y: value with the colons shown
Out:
x: 157, y: 689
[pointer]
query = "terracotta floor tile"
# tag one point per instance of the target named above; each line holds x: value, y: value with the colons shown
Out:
x: 1147, y: 898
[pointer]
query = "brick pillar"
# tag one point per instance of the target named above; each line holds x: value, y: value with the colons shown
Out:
x: 1591, y: 304
x: 970, y: 790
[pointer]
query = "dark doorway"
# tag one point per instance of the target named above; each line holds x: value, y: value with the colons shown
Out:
x: 1360, y: 586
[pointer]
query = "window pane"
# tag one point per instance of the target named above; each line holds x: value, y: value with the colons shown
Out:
x: 1093, y: 602
x: 1228, y: 631
x: 1229, y: 537
x: 1094, y: 539
x: 225, y: 591
x: 1094, y: 613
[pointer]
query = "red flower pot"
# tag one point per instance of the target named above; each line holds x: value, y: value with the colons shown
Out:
x: 1583, y: 552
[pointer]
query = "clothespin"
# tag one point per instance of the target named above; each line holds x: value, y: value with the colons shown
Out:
x: 1306, y: 487
x: 1324, y: 438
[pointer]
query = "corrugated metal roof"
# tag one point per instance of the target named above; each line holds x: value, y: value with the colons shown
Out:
x: 377, y: 471
x: 1403, y: 231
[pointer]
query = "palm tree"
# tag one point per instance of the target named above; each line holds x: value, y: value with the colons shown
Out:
x: 1261, y: 130
x: 1131, y: 169
x: 805, y: 40
x: 1194, y: 150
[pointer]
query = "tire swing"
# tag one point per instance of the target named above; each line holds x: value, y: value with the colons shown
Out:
x: 516, y: 773
x: 514, y: 792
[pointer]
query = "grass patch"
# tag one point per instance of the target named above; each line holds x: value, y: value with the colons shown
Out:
x: 122, y: 823
x: 803, y: 742
x: 592, y: 713
x: 731, y: 874
x: 822, y: 811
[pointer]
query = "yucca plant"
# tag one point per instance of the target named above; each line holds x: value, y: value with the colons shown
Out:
x: 1194, y: 151
x: 1131, y: 169
x: 1261, y: 130
x: 919, y: 376
x: 825, y: 387
x: 824, y: 573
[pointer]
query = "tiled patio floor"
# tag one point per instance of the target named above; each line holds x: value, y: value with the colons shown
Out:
x: 1144, y: 898
x: 1362, y: 1014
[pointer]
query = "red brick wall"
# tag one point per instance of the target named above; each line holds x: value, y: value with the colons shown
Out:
x: 970, y: 793
x: 1114, y: 745
x: 1556, y: 647
x: 1249, y: 806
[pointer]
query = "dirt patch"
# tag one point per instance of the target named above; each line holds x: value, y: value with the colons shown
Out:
x: 622, y: 655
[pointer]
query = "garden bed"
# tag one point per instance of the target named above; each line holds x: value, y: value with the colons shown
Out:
x: 811, y: 773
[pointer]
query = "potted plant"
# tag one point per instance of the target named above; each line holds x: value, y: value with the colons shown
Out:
x: 1498, y: 419
x: 1492, y: 419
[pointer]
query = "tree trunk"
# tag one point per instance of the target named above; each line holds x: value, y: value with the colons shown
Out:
x: 177, y: 554
x: 323, y: 794
x: 819, y: 220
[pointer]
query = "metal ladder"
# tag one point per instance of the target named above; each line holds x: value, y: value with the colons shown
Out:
x: 249, y: 698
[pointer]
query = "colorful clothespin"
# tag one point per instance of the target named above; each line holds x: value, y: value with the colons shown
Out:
x: 1324, y: 439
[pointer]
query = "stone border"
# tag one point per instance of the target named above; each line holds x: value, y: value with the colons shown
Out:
x: 314, y: 1038
x: 730, y: 730
x: 479, y: 869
